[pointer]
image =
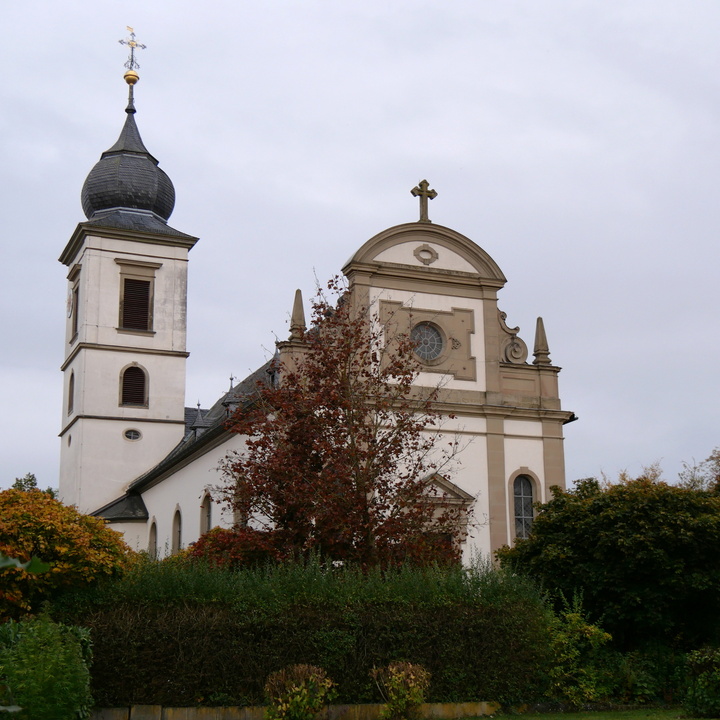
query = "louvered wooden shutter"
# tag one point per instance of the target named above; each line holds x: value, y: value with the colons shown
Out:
x: 136, y: 304
x: 133, y: 387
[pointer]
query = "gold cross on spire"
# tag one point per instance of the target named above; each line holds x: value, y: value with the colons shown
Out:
x: 131, y: 63
x: 422, y: 191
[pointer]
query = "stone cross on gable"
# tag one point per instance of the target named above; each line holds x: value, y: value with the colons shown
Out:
x: 422, y: 191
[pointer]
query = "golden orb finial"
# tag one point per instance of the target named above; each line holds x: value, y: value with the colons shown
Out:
x: 131, y: 77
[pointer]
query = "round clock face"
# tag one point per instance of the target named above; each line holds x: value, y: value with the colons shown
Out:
x: 428, y: 341
x: 70, y: 303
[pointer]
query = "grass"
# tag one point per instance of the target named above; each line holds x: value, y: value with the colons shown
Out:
x: 644, y: 714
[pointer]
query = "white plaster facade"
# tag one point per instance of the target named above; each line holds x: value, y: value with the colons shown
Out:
x: 97, y: 460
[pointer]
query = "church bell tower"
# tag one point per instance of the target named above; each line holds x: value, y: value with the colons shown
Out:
x: 125, y: 344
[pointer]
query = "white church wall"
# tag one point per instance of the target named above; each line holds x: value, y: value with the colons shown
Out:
x: 103, y: 476
x: 467, y: 467
x: 99, y: 374
x: 471, y: 474
x: 523, y: 428
x: 100, y: 279
x: 184, y: 490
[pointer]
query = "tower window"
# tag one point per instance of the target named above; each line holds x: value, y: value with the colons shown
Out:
x: 137, y: 285
x: 134, y: 387
x: 135, y: 308
x: 73, y: 301
x: 75, y: 309
x: 523, y: 497
x: 71, y: 394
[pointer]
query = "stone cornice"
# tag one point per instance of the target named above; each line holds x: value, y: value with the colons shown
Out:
x: 84, y: 230
x: 120, y: 348
x: 396, y: 276
x: 118, y: 418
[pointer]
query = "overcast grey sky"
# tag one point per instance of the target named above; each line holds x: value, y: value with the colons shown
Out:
x: 577, y: 142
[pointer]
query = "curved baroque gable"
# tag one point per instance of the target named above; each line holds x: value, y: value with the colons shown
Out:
x: 426, y: 245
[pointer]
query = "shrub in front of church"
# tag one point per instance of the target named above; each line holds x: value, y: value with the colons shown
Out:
x: 642, y: 554
x: 79, y: 549
x: 403, y: 686
x: 188, y: 633
x: 298, y: 692
x: 44, y: 669
x: 703, y: 693
x: 236, y: 548
x: 579, y: 672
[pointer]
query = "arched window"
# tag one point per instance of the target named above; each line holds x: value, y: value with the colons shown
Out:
x: 133, y: 389
x: 71, y: 394
x: 152, y: 542
x: 206, y: 514
x: 177, y: 532
x: 523, y: 496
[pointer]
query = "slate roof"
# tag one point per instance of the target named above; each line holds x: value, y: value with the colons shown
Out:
x: 127, y: 176
x: 128, y: 508
x: 135, y: 220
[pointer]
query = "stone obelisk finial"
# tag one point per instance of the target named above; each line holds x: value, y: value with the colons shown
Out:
x: 541, y: 350
x: 297, y: 319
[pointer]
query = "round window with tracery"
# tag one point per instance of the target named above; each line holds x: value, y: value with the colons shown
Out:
x: 428, y: 341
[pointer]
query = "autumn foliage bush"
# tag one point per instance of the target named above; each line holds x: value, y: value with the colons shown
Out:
x: 403, y: 686
x: 236, y: 548
x: 79, y: 548
x: 298, y: 692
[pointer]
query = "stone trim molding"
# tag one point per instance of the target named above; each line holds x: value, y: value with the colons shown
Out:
x: 121, y: 348
x: 456, y: 327
x: 125, y: 420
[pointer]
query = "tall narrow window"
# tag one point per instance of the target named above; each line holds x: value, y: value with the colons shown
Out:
x: 152, y: 542
x: 523, y: 492
x: 206, y: 514
x: 134, y: 387
x: 177, y: 532
x: 75, y: 309
x: 137, y: 287
x: 73, y: 301
x: 71, y: 394
x: 136, y: 305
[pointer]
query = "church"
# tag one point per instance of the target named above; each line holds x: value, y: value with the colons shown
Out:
x: 132, y: 453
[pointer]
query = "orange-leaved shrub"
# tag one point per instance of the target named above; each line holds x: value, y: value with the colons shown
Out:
x: 79, y: 548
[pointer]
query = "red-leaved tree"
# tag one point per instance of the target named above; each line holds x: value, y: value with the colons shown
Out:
x: 342, y: 447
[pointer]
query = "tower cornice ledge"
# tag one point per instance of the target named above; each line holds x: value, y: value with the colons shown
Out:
x: 170, y: 237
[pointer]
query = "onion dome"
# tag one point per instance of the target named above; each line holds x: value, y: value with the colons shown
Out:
x: 127, y: 176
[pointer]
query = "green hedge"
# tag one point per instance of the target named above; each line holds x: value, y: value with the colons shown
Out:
x: 177, y: 634
x: 44, y: 669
